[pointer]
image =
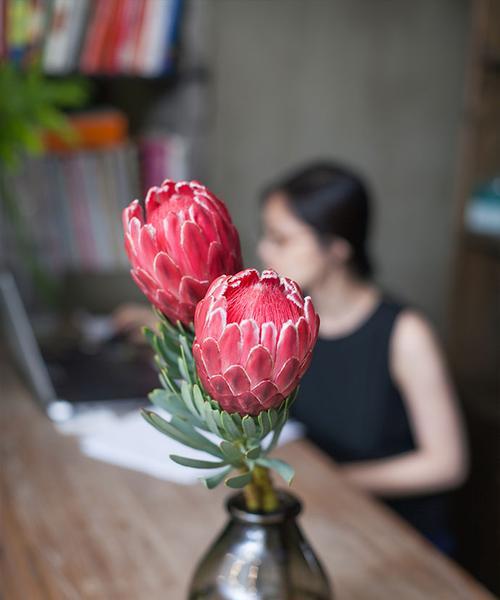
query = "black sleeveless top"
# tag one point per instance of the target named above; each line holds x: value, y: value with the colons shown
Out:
x: 353, y: 410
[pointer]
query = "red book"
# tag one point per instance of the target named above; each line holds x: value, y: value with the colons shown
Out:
x: 138, y: 33
x: 101, y: 18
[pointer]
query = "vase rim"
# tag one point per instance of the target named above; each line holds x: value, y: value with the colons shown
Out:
x: 289, y: 507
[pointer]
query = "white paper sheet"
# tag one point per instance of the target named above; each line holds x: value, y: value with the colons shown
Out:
x: 128, y: 441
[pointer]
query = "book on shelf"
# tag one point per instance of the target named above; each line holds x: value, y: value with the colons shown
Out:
x: 70, y: 199
x: 97, y: 37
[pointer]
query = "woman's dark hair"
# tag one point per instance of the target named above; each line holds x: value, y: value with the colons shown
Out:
x: 335, y: 202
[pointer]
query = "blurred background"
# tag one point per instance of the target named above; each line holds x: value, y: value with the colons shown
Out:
x: 96, y: 105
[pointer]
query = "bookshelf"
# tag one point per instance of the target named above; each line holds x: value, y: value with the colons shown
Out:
x: 475, y: 302
x: 474, y: 323
x: 71, y: 198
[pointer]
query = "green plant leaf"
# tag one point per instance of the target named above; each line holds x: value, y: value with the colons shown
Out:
x: 188, y: 429
x: 249, y: 427
x: 264, y: 424
x: 210, y: 419
x: 213, y: 481
x: 181, y: 432
x: 169, y: 401
x: 231, y: 453
x: 280, y: 466
x: 239, y: 481
x: 253, y: 453
x: 183, y: 366
x: 229, y: 426
x: 198, y: 399
x: 195, y: 463
x: 186, y: 389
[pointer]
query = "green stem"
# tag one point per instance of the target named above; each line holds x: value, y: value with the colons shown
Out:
x: 260, y: 494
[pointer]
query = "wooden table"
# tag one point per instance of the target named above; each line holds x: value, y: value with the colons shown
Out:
x: 75, y: 528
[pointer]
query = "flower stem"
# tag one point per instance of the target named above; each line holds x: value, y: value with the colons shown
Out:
x: 260, y: 494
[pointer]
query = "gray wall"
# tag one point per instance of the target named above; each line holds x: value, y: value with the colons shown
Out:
x: 377, y: 84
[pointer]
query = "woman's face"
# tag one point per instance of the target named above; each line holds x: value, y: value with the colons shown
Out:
x: 290, y: 246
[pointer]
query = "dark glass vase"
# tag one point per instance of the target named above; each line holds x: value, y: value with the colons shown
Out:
x: 260, y: 556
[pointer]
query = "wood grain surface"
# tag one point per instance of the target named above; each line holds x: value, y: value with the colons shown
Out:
x: 73, y: 528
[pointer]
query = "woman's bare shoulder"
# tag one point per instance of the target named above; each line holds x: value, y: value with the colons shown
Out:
x: 413, y: 343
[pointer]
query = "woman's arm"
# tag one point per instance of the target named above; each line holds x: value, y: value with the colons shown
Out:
x: 440, y: 460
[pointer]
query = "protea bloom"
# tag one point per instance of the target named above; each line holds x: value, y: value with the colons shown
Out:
x: 254, y: 336
x: 185, y: 241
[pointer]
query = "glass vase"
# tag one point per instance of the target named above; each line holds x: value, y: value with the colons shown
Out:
x: 260, y: 556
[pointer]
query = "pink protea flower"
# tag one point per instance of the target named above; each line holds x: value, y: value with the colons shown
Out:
x: 185, y: 241
x: 254, y: 336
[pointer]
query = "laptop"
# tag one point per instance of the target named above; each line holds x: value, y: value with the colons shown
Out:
x: 71, y: 376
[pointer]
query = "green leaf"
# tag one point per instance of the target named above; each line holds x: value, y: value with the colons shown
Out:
x: 183, y: 366
x: 277, y: 431
x: 187, y: 350
x: 198, y: 399
x: 231, y: 453
x: 249, y: 427
x: 186, y: 389
x: 169, y: 401
x: 167, y: 381
x: 213, y: 481
x: 253, y: 453
x: 237, y: 421
x: 265, y: 426
x: 188, y: 429
x: 210, y: 419
x: 239, y: 481
x: 280, y: 466
x: 272, y: 415
x: 187, y: 435
x: 229, y: 426
x: 195, y: 463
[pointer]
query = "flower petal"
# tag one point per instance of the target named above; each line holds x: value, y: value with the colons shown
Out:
x: 249, y: 404
x: 268, y: 338
x: 230, y: 346
x: 216, y: 323
x: 210, y: 354
x: 166, y: 272
x: 249, y: 337
x: 191, y: 290
x: 265, y: 391
x: 195, y: 248
x: 218, y: 260
x: 259, y: 365
x: 287, y: 345
x: 237, y: 379
x: 303, y: 337
x: 220, y: 386
x: 288, y: 375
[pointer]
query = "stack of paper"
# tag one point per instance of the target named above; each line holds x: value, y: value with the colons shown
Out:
x: 128, y: 441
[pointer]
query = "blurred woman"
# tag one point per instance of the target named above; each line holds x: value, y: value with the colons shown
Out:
x: 377, y: 397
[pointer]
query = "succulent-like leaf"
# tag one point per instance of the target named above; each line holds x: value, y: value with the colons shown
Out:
x: 264, y: 424
x: 249, y: 427
x: 186, y: 393
x: 213, y: 481
x: 181, y: 432
x: 229, y: 426
x: 280, y: 466
x: 195, y: 463
x: 198, y: 399
x: 168, y: 401
x: 253, y: 453
x: 210, y: 419
x: 239, y: 481
x: 231, y: 453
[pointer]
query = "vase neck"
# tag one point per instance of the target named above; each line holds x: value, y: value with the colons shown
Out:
x: 289, y: 507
